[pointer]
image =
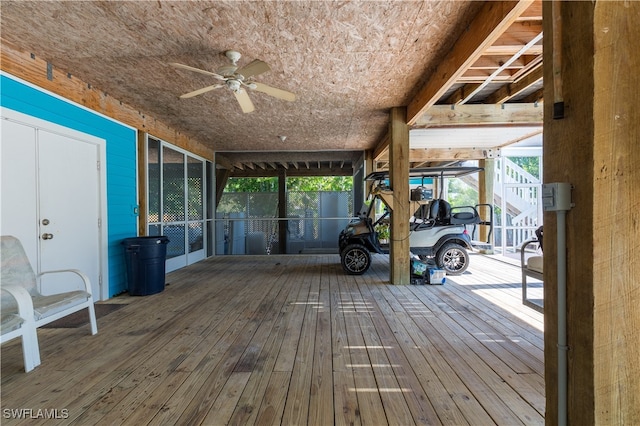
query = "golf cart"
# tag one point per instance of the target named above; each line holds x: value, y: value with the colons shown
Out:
x: 439, y: 233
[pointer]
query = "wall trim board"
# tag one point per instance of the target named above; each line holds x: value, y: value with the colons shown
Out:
x: 34, y: 70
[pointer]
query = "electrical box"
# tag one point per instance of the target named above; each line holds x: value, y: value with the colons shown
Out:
x: 556, y: 196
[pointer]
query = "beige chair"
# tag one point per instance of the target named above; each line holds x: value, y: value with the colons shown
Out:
x: 31, y: 305
x: 531, y: 267
x: 20, y: 324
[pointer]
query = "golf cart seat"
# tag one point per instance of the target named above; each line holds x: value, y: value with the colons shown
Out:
x: 425, y: 216
x: 464, y: 215
x: 443, y: 209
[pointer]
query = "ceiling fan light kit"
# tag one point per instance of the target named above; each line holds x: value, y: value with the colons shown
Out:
x: 236, y: 79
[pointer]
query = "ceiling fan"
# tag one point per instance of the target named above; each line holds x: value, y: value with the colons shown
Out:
x: 238, y: 80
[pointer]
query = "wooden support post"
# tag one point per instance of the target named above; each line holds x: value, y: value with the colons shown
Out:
x: 485, y: 196
x: 594, y: 146
x: 399, y: 181
x: 143, y: 184
x: 222, y: 177
x: 359, y: 190
x: 282, y: 210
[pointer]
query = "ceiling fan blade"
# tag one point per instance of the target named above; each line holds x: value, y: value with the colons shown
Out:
x: 275, y: 92
x: 254, y: 68
x: 187, y: 67
x: 243, y: 99
x: 201, y: 91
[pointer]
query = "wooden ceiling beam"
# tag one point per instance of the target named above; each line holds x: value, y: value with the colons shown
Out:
x: 481, y: 75
x: 429, y: 155
x: 42, y: 74
x: 499, y: 71
x: 510, y: 49
x: 480, y: 114
x: 451, y: 154
x: 489, y: 24
x: 532, y: 66
x: 535, y: 97
x: 382, y: 148
x: 325, y: 171
x: 223, y: 161
x: 461, y: 93
x: 511, y: 90
x: 491, y: 62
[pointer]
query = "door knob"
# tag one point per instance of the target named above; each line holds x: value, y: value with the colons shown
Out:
x: 45, y: 221
x: 46, y: 236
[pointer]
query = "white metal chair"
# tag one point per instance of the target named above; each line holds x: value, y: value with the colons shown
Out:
x: 18, y: 273
x: 531, y: 267
x: 20, y: 324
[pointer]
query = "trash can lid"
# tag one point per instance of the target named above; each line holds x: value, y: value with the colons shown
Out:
x: 146, y: 240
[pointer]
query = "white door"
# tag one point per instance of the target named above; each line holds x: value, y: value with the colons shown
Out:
x: 51, y: 196
x: 69, y: 217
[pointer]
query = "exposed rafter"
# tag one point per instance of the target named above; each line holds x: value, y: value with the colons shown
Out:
x: 492, y: 21
x: 482, y: 114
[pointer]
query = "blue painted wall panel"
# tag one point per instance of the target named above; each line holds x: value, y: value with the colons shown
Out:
x: 121, y: 161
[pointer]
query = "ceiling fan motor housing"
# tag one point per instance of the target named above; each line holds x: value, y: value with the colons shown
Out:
x: 233, y: 56
x: 233, y: 84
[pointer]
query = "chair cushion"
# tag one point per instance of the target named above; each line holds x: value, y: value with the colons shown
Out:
x: 16, y: 269
x: 10, y: 322
x: 535, y: 263
x: 45, y: 306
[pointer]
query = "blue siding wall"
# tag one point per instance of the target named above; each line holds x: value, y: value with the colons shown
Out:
x: 121, y: 161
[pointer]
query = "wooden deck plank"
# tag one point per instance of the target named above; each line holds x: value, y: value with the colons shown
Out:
x: 222, y: 409
x: 321, y: 410
x: 486, y: 385
x: 370, y: 407
x: 391, y: 393
x: 275, y: 396
x: 303, y: 344
x: 345, y: 400
x: 272, y: 332
x: 390, y: 334
x: 296, y: 408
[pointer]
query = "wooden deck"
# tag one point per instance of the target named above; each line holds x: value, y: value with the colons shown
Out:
x: 292, y: 340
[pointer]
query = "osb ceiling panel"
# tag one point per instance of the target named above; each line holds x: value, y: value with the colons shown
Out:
x: 347, y: 62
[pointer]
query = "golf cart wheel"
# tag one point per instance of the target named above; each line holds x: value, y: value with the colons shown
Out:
x: 355, y: 259
x: 453, y: 258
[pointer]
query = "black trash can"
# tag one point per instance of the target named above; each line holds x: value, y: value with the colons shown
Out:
x: 145, y: 258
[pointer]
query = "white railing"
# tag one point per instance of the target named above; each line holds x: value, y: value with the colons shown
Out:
x: 517, y: 193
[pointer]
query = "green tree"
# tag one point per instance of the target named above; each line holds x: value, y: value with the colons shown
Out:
x: 320, y: 183
x: 263, y: 184
x: 270, y: 184
x: 530, y: 164
x: 461, y: 194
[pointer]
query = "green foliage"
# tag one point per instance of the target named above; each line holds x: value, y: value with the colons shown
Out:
x: 461, y: 194
x: 320, y: 183
x: 264, y: 184
x: 530, y: 164
x: 383, y: 230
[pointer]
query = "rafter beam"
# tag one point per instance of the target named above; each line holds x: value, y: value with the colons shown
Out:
x: 223, y: 161
x: 490, y: 23
x: 382, y: 148
x: 511, y: 90
x: 325, y: 171
x: 428, y: 155
x: 461, y: 93
x: 480, y: 114
x: 536, y: 96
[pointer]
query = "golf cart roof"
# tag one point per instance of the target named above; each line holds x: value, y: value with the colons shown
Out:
x: 429, y: 172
